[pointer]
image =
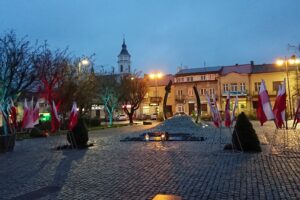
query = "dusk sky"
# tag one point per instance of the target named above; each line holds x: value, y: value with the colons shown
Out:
x: 160, y: 34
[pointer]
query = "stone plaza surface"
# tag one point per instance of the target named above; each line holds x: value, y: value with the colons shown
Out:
x: 140, y: 170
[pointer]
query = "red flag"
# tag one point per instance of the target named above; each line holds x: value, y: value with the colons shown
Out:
x: 73, y: 117
x: 13, y: 114
x: 264, y: 109
x: 280, y: 106
x: 55, y: 122
x: 227, y: 111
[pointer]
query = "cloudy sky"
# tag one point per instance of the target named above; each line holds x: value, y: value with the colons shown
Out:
x: 160, y: 34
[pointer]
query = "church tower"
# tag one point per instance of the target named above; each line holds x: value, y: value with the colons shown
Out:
x: 124, y: 59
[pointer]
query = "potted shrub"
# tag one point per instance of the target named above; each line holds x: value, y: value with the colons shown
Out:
x: 244, y: 136
x: 79, y: 137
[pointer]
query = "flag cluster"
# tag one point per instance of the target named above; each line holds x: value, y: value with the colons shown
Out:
x: 264, y: 109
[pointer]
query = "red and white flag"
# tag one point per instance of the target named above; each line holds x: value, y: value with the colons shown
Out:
x: 234, y: 108
x: 36, y: 114
x: 27, y: 116
x: 264, y: 109
x: 227, y: 111
x: 73, y: 117
x: 55, y: 122
x: 280, y: 106
x: 214, y: 111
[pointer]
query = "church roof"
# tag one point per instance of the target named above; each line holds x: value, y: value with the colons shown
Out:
x: 124, y: 49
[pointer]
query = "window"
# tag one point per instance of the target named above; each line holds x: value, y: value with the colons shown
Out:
x: 225, y: 87
x: 180, y: 80
x: 257, y: 86
x: 189, y: 79
x: 204, y: 107
x: 243, y: 87
x: 211, y: 91
x: 202, y: 91
x: 202, y: 78
x: 191, y: 92
x: 180, y: 108
x: 207, y: 77
x: 121, y: 68
x: 234, y: 87
x: 179, y: 92
x: 276, y: 85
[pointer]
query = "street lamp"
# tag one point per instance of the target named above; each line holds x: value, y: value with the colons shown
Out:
x: 292, y: 61
x: 156, y: 76
x: 83, y: 62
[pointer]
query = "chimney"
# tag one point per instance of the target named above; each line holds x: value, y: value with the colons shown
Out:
x: 252, y: 62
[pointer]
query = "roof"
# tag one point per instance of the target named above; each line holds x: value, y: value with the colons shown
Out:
x: 240, y: 69
x: 202, y: 70
x: 159, y: 82
x: 124, y: 49
x: 268, y: 68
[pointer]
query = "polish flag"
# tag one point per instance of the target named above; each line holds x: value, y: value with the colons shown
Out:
x: 264, y: 110
x: 214, y: 111
x: 234, y: 108
x: 227, y: 111
x: 55, y: 122
x: 280, y: 106
x: 27, y: 116
x: 73, y: 116
x: 35, y: 114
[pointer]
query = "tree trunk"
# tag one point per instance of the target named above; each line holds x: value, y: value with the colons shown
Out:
x: 130, y: 115
x: 110, y: 119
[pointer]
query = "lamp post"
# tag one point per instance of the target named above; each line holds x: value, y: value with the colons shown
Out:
x: 293, y: 60
x: 156, y: 76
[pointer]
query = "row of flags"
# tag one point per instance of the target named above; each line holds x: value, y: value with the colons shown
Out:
x: 31, y: 115
x: 217, y: 119
x: 264, y: 109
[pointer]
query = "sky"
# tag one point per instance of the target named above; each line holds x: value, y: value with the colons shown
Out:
x: 161, y: 35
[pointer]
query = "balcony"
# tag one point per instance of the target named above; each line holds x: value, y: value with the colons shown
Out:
x: 234, y: 93
x: 270, y: 93
x: 180, y: 98
x: 155, y: 100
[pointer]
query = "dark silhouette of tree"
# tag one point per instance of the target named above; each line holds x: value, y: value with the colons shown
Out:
x: 167, y: 92
x: 132, y: 92
x: 18, y: 70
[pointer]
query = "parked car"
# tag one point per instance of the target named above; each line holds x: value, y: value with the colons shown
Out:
x: 121, y: 117
x: 153, y: 116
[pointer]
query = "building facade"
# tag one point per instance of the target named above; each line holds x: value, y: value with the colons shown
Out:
x: 235, y: 80
x: 206, y: 81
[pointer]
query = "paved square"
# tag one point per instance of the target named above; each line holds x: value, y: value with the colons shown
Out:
x: 140, y: 170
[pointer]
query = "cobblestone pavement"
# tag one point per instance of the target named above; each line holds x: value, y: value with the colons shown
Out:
x: 140, y: 170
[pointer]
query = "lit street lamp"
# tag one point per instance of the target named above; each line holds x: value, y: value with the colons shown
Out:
x: 292, y: 61
x: 83, y: 62
x: 156, y: 76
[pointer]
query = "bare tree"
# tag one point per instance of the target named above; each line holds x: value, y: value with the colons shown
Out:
x: 133, y: 90
x: 109, y: 90
x: 18, y: 70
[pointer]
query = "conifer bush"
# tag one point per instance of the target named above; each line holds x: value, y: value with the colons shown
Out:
x: 79, y: 137
x: 244, y: 136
